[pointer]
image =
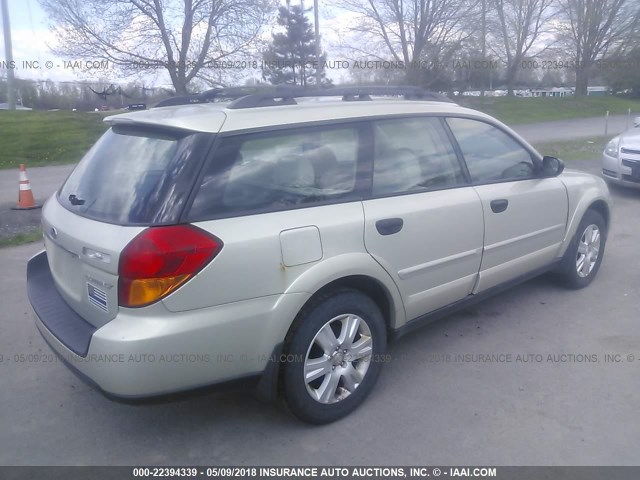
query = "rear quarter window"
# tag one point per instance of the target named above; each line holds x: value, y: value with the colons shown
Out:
x: 278, y: 171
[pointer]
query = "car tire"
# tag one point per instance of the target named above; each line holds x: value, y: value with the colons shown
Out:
x: 332, y: 356
x: 583, y: 257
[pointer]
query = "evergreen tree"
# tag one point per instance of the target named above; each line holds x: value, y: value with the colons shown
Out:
x: 290, y: 59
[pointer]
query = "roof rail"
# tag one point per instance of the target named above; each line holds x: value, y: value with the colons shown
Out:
x: 287, y: 95
x: 267, y: 96
x: 215, y: 94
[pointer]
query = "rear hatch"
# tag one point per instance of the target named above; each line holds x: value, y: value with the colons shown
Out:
x: 83, y: 257
x: 132, y: 178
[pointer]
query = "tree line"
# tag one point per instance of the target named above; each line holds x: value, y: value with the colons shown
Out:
x: 570, y: 38
x: 82, y: 96
x: 442, y: 44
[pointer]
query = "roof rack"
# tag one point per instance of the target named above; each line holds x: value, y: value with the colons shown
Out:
x: 287, y: 95
x: 268, y: 96
x: 213, y: 95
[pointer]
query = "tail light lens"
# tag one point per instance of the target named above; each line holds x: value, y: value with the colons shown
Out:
x: 161, y: 259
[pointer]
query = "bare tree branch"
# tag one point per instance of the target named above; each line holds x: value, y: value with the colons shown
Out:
x: 518, y: 27
x: 410, y: 30
x: 182, y: 37
x: 593, y: 27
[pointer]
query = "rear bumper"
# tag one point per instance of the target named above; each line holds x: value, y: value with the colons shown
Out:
x: 54, y: 313
x: 151, y: 352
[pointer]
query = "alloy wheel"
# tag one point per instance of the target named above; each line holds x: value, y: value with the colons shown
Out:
x: 338, y: 358
x: 588, y: 250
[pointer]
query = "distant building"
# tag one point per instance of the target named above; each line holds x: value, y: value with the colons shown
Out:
x: 549, y: 92
x: 598, y: 91
x: 5, y: 106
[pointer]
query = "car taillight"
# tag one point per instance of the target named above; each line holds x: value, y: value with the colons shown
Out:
x: 161, y: 259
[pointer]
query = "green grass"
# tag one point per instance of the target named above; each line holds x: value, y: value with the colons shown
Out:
x: 47, y: 138
x: 585, y: 149
x: 53, y: 138
x: 518, y: 110
x: 21, y: 239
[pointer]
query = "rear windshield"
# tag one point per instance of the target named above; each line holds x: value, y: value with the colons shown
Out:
x: 133, y: 177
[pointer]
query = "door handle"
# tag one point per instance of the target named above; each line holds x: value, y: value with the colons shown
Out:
x: 499, y: 206
x: 389, y: 226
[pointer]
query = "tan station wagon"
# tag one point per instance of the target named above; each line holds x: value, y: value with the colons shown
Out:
x: 285, y: 237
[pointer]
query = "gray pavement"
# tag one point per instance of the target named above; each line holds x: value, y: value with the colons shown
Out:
x: 579, y: 128
x: 572, y: 409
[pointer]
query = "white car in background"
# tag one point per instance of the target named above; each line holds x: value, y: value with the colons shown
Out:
x: 621, y: 158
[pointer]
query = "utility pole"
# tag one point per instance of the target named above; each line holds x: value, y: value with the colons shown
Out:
x: 484, y: 43
x: 6, y: 25
x: 316, y: 17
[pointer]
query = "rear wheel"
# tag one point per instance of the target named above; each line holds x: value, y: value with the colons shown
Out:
x: 583, y: 257
x: 331, y: 364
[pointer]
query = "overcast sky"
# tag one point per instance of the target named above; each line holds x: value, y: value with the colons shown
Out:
x: 31, y: 37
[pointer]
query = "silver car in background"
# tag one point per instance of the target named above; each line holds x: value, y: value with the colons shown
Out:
x: 286, y: 242
x: 621, y: 158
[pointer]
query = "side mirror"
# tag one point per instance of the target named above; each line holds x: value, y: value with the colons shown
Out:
x: 636, y: 122
x: 551, y: 166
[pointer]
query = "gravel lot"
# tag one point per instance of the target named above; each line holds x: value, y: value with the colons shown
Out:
x: 429, y: 407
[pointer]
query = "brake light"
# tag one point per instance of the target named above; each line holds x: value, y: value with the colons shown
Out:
x: 161, y: 259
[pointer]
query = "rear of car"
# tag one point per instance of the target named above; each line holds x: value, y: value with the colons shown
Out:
x: 115, y: 248
x: 166, y: 269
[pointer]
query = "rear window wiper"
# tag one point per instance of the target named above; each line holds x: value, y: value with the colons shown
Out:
x: 75, y: 200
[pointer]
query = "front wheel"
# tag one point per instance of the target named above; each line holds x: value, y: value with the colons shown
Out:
x: 332, y: 351
x: 583, y: 257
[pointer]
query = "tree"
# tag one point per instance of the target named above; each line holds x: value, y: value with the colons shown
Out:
x: 361, y: 73
x: 412, y: 31
x: 624, y: 74
x: 473, y: 71
x: 595, y: 28
x: 291, y: 59
x: 183, y: 37
x: 551, y: 78
x: 518, y: 26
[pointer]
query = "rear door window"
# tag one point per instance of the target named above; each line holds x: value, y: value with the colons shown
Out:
x: 134, y: 177
x: 277, y: 171
x: 413, y: 155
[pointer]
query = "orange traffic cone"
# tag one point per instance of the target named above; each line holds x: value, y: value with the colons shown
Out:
x: 25, y: 195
